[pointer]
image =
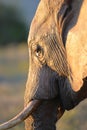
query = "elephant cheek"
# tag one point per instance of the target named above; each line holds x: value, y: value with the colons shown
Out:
x: 42, y: 85
x: 31, y: 86
x: 47, y: 84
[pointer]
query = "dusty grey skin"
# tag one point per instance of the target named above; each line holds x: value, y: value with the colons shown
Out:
x: 48, y: 69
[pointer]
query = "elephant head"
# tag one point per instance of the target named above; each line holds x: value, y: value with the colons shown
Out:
x: 46, y: 52
x: 47, y: 64
x: 50, y: 79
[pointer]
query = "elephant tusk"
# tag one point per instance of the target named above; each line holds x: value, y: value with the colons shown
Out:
x: 21, y: 116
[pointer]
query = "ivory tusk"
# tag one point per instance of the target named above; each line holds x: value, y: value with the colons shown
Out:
x: 21, y: 116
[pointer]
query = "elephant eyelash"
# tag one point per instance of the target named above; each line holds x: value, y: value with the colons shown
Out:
x: 39, y: 51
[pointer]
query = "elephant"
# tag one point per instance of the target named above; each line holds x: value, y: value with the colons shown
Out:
x: 57, y: 79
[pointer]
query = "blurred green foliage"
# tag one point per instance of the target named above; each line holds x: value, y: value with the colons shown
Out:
x: 12, y: 27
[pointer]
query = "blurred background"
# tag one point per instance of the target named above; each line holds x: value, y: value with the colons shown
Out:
x: 15, y: 19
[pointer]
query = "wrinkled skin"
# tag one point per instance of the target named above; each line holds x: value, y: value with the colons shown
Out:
x: 52, y: 72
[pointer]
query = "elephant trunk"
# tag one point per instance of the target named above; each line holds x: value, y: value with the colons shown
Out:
x: 45, y: 116
x: 31, y: 107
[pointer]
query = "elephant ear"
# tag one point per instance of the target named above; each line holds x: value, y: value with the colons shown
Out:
x: 76, y: 46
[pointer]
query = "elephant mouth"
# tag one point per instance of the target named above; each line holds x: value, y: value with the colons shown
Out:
x: 25, y: 113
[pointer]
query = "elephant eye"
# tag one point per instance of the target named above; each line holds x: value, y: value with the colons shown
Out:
x: 38, y: 51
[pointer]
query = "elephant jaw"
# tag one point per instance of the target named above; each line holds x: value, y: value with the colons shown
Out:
x: 27, y: 111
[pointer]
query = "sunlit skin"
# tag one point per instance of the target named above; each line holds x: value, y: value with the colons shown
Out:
x: 57, y: 62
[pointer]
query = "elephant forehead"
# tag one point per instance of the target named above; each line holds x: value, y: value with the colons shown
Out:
x: 44, y: 18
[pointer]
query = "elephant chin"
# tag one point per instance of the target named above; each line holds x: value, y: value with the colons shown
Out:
x: 25, y: 113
